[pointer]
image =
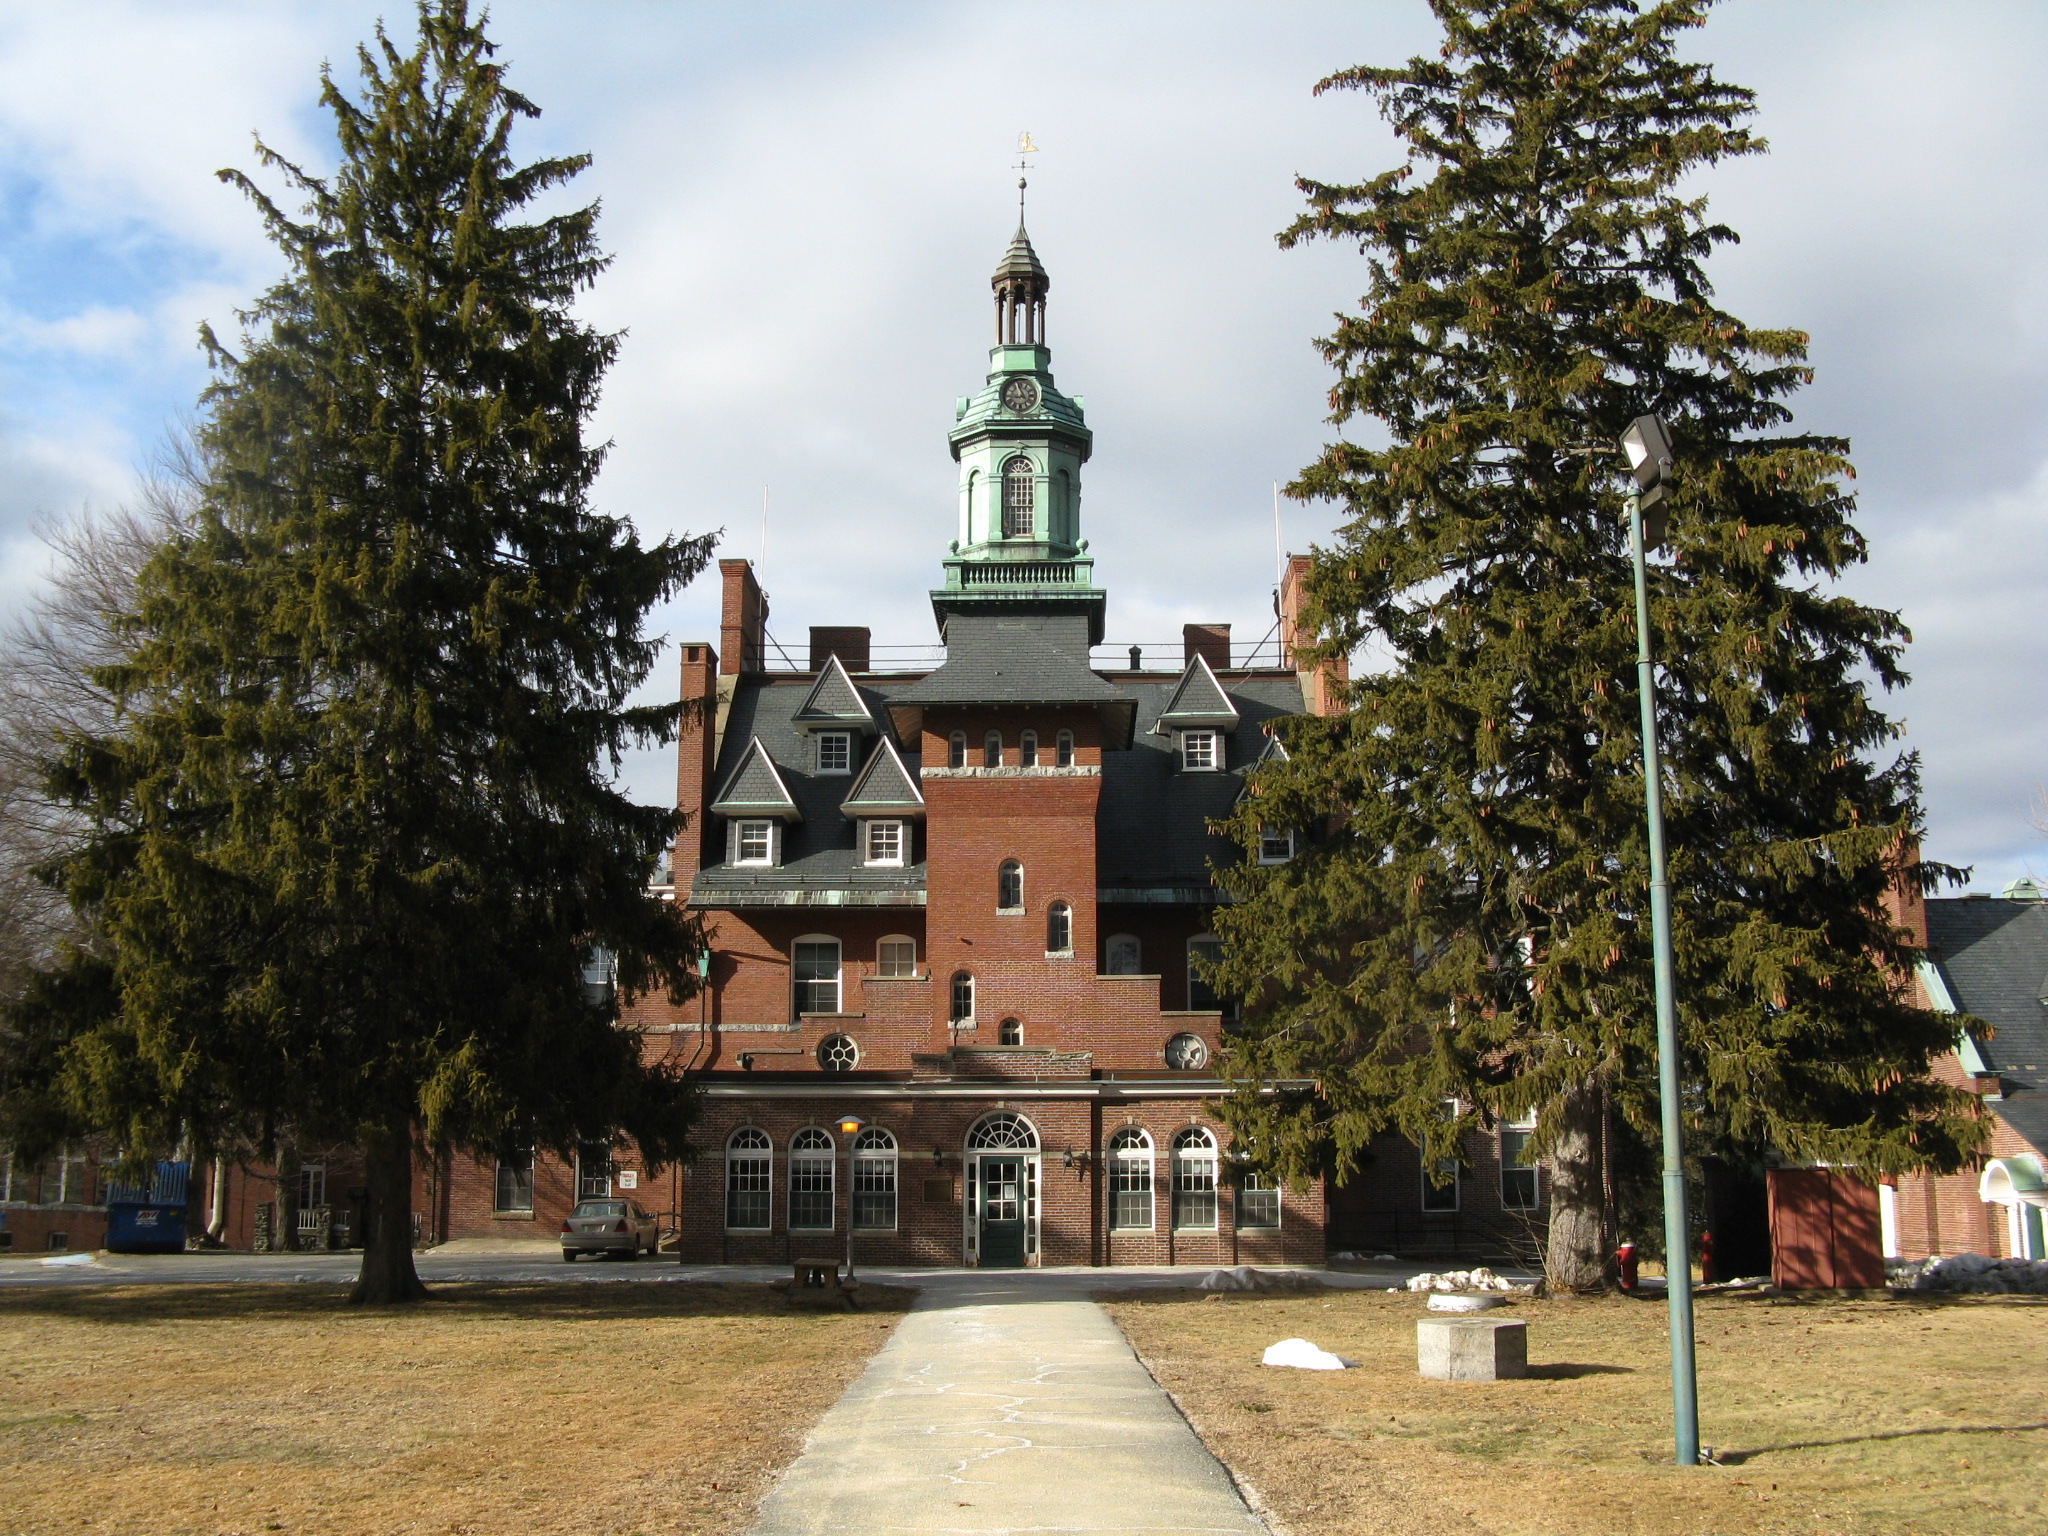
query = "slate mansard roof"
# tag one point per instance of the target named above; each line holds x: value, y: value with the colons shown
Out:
x: 1993, y: 957
x: 1154, y: 842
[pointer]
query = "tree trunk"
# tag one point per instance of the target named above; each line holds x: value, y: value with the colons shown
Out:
x: 288, y: 1166
x: 1576, y: 1258
x: 388, y: 1275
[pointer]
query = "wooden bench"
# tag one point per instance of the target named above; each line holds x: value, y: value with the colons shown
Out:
x: 819, y: 1283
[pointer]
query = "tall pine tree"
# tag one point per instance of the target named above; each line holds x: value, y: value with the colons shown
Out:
x: 1470, y: 923
x: 356, y: 837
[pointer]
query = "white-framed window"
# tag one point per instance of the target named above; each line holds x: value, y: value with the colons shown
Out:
x: 753, y: 842
x: 1123, y: 955
x: 1130, y: 1180
x: 963, y: 997
x: 1194, y: 1181
x: 312, y: 1183
x: 1063, y: 750
x: 956, y: 750
x: 1204, y: 949
x: 835, y: 751
x: 1519, y: 1190
x: 749, y: 1180
x: 992, y: 750
x: 1200, y: 752
x: 515, y: 1182
x: 1059, y: 929
x: 896, y: 957
x: 838, y: 1053
x: 593, y: 1172
x: 812, y: 1161
x: 874, y: 1180
x: 1020, y: 485
x: 814, y: 973
x: 1276, y: 844
x: 63, y: 1179
x: 1010, y: 1032
x: 1010, y: 886
x: 6, y: 1176
x: 884, y: 842
x: 1027, y: 750
x: 1442, y: 1196
x: 1258, y: 1201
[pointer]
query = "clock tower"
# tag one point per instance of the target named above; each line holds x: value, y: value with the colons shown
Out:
x: 1020, y: 445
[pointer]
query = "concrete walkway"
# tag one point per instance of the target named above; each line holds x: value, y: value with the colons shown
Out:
x: 1005, y: 1404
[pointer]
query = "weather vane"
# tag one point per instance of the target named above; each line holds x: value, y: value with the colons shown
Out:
x: 1024, y: 147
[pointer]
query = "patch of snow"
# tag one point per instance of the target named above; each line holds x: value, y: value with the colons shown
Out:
x: 1481, y: 1279
x: 1304, y: 1356
x: 68, y: 1260
x: 1245, y: 1278
x: 1969, y: 1273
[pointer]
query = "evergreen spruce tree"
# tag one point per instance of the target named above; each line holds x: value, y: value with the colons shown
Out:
x: 356, y: 839
x: 1470, y: 921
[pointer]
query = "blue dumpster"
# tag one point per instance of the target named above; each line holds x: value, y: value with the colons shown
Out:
x: 149, y: 1219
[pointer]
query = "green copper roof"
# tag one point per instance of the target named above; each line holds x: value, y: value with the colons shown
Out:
x: 1021, y: 261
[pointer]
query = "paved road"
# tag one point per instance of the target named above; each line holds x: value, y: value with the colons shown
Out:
x: 1005, y: 1402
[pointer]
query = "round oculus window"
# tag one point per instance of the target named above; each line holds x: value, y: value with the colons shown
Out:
x: 838, y: 1053
x: 1020, y: 395
x: 1187, y: 1053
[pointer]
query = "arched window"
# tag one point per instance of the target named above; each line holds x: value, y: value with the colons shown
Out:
x: 1010, y: 1032
x: 811, y: 1161
x: 1063, y: 500
x: 963, y: 997
x: 1004, y: 1132
x: 814, y: 971
x: 956, y: 750
x: 1010, y: 887
x: 749, y: 1180
x: 1130, y: 1180
x: 1123, y: 955
x: 973, y: 496
x: 1020, y: 483
x: 1027, y: 750
x: 1059, y: 929
x: 992, y: 750
x: 874, y: 1180
x: 1064, y: 751
x: 1194, y: 1180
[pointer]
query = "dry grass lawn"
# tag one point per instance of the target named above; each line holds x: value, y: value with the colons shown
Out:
x: 547, y: 1411
x: 1834, y: 1418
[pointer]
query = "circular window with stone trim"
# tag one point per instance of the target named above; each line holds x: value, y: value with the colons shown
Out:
x: 838, y: 1053
x: 1187, y: 1053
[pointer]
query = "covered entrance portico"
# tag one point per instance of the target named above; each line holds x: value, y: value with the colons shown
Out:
x: 1001, y: 1178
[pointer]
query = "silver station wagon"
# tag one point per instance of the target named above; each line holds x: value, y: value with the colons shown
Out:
x: 608, y: 1226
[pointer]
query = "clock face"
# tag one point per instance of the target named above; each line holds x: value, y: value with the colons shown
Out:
x: 1020, y: 395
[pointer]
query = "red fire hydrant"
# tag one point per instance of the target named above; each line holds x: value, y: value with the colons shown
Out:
x: 1708, y: 1274
x: 1625, y: 1261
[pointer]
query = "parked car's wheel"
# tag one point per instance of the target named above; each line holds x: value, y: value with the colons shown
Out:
x: 568, y: 1255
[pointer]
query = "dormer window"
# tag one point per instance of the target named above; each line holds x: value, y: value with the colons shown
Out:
x: 1020, y: 481
x: 1276, y: 845
x: 1200, y: 752
x: 752, y: 842
x: 884, y: 843
x: 835, y: 751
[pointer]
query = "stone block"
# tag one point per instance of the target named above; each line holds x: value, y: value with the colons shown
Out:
x: 1472, y: 1348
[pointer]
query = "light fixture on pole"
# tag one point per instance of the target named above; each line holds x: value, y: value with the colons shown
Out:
x: 850, y: 1126
x: 1647, y: 442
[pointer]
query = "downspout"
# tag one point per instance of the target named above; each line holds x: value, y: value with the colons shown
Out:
x: 217, y: 1203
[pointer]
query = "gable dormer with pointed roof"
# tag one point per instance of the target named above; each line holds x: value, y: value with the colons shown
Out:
x: 834, y: 703
x: 756, y: 788
x: 885, y: 787
x: 1198, y: 702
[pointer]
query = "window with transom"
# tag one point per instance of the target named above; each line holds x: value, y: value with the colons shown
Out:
x: 896, y: 958
x: 874, y: 1180
x: 963, y: 997
x: 835, y: 751
x: 1194, y: 1180
x: 992, y: 750
x: 1063, y: 749
x: 1027, y: 750
x: 1258, y: 1201
x: 885, y: 840
x: 1020, y: 482
x: 1003, y: 1132
x: 1010, y: 886
x: 1059, y: 929
x: 956, y: 750
x: 749, y: 1180
x: 1199, y: 752
x: 1130, y: 1180
x: 811, y: 1164
x: 814, y: 966
x: 593, y: 1172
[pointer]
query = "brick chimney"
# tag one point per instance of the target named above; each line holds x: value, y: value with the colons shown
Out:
x: 1211, y: 642
x: 743, y: 619
x: 696, y: 756
x: 849, y: 642
x: 1318, y: 680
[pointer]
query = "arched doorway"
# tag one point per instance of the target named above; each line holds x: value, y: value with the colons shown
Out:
x: 1001, y: 1164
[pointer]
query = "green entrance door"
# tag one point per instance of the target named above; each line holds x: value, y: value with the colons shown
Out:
x: 1002, y: 1212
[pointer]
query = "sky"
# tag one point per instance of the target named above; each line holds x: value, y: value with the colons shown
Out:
x: 805, y: 201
